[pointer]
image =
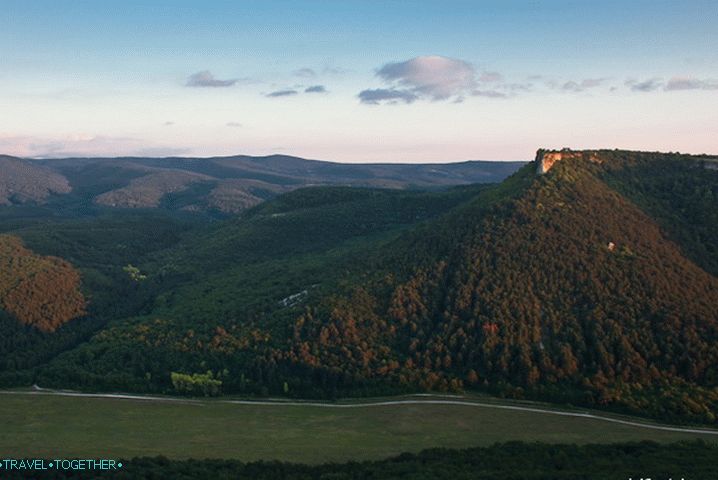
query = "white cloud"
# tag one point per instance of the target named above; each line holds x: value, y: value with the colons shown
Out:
x: 435, y: 77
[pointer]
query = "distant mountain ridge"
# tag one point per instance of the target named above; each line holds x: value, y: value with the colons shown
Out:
x: 224, y: 184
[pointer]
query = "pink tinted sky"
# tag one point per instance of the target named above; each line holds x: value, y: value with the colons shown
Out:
x: 357, y: 81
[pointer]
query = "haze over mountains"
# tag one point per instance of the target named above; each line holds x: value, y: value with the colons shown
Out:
x: 223, y: 184
x: 588, y: 278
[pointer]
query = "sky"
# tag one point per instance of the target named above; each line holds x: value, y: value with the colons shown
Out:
x: 357, y: 81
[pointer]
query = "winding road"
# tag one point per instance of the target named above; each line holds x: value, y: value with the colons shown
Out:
x: 431, y: 400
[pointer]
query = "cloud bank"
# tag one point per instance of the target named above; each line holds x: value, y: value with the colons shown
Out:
x: 82, y: 145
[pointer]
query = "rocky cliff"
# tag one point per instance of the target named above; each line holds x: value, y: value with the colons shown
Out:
x: 545, y: 159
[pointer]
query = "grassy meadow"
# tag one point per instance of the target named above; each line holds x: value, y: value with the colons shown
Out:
x: 53, y: 426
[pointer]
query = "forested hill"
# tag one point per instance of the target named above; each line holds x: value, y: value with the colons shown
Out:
x: 576, y: 285
x: 587, y: 279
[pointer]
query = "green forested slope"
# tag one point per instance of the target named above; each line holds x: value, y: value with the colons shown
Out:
x: 680, y: 193
x: 226, y: 277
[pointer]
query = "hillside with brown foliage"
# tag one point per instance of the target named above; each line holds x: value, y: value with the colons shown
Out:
x: 43, y: 292
x: 569, y: 291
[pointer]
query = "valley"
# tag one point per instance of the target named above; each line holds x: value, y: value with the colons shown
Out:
x: 317, y: 240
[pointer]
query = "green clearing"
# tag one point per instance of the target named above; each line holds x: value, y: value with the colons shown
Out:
x: 56, y: 426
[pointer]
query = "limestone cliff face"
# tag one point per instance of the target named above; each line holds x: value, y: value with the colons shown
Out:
x: 545, y: 159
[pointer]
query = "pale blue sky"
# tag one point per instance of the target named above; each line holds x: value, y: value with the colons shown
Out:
x: 393, y: 81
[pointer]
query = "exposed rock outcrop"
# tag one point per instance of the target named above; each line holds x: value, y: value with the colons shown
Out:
x: 545, y: 159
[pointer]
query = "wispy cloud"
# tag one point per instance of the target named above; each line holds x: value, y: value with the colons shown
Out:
x: 514, y: 88
x: 160, y: 152
x: 206, y: 79
x: 233, y: 124
x: 316, y: 89
x: 334, y: 70
x: 583, y: 85
x: 282, y: 93
x: 673, y: 84
x: 689, y: 83
x: 305, y: 73
x: 379, y: 95
x: 489, y: 94
x: 168, y: 124
x: 645, y: 86
x: 491, y: 77
x: 499, y: 89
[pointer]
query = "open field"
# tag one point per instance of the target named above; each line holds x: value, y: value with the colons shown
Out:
x: 46, y: 425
